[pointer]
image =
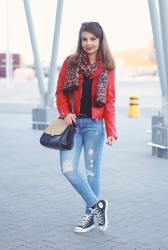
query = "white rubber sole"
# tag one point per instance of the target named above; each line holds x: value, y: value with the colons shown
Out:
x: 103, y: 228
x: 81, y: 230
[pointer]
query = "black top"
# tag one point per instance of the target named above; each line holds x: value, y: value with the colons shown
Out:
x: 86, y: 104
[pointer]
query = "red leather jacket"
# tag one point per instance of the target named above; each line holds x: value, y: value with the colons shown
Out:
x: 107, y: 112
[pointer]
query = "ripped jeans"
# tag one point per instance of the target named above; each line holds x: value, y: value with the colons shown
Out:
x: 89, y: 135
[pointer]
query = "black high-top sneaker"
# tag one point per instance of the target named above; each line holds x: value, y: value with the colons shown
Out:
x: 86, y: 224
x: 100, y: 211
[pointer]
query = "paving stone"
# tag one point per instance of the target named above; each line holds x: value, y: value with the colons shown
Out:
x: 39, y: 208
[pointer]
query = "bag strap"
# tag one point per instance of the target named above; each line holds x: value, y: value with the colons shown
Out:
x: 72, y: 102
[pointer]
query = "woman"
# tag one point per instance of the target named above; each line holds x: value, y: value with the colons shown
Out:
x: 89, y: 75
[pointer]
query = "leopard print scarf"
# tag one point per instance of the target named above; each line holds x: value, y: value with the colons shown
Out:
x: 91, y: 71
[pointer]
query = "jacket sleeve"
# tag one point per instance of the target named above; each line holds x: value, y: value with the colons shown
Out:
x: 62, y: 101
x: 109, y: 112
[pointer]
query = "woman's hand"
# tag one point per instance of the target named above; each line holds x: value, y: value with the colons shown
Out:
x: 70, y: 118
x: 110, y: 140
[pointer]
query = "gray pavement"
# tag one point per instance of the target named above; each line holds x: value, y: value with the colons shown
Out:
x: 39, y: 208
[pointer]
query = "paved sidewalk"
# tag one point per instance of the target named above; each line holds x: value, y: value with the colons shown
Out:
x: 39, y: 208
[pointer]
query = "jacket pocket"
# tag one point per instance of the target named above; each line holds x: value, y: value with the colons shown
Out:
x: 100, y: 113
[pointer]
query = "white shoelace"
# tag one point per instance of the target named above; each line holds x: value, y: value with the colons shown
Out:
x: 86, y: 220
x: 98, y: 214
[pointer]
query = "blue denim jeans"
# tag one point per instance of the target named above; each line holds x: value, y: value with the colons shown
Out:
x: 90, y: 136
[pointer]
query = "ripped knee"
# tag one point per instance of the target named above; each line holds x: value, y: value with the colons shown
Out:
x: 67, y: 166
x: 90, y: 151
x: 89, y: 173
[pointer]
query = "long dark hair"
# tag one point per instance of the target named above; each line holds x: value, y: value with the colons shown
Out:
x: 103, y: 53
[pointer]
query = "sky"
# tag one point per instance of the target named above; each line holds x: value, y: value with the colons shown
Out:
x: 126, y: 24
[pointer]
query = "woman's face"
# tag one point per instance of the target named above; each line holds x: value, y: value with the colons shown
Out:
x: 90, y: 43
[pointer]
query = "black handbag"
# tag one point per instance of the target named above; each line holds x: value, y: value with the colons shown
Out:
x: 59, y: 135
